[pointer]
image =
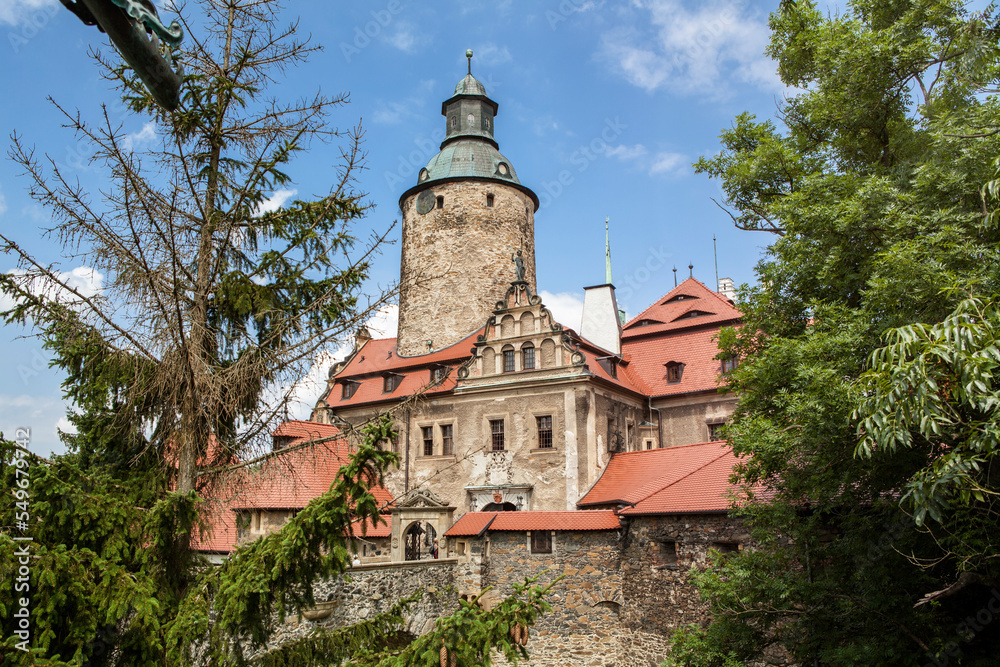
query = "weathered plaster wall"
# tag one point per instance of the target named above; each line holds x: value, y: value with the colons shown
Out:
x: 686, y: 418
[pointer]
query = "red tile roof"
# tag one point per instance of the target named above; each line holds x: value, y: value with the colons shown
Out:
x: 631, y: 477
x: 369, y: 529
x: 695, y: 349
x: 286, y: 481
x: 378, y: 356
x: 707, y: 489
x: 476, y: 523
x: 471, y: 524
x: 690, y: 295
x: 690, y: 341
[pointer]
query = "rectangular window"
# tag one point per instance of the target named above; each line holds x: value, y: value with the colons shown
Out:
x: 715, y: 432
x: 674, y: 372
x: 496, y: 434
x: 438, y: 373
x: 447, y: 441
x: 630, y: 437
x: 649, y: 444
x: 729, y: 365
x: 508, y: 361
x: 726, y: 548
x: 541, y: 542
x: 390, y: 381
x: 427, y: 434
x: 527, y: 358
x: 395, y: 443
x: 348, y: 388
x: 665, y: 552
x: 544, y: 432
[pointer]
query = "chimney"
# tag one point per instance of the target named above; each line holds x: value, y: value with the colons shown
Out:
x: 727, y: 288
x: 601, y: 320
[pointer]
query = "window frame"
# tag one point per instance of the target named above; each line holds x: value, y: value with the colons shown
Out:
x: 348, y: 388
x: 508, y: 353
x: 538, y: 545
x: 713, y: 428
x: 447, y: 439
x: 528, y: 355
x: 391, y: 382
x: 426, y: 431
x: 539, y: 432
x: 497, y: 435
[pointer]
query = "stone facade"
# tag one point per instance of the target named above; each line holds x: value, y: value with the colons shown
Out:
x: 456, y: 259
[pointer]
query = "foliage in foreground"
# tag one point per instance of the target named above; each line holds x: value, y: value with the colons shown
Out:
x: 876, y: 537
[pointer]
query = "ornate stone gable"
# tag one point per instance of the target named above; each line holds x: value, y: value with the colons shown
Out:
x: 521, y: 336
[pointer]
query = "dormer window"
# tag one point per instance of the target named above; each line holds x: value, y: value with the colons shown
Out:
x: 729, y: 365
x: 675, y: 370
x: 281, y: 441
x: 390, y: 381
x: 438, y: 373
x: 348, y: 388
x: 610, y: 365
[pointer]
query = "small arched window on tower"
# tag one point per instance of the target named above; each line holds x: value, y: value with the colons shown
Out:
x: 489, y: 200
x: 472, y: 120
x: 527, y: 357
x: 440, y: 201
x: 454, y: 122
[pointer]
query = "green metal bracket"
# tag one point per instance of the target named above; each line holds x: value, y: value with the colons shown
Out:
x: 127, y: 23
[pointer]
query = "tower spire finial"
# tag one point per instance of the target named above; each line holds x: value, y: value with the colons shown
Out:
x: 468, y: 54
x: 607, y: 253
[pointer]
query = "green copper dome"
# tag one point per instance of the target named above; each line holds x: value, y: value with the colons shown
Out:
x: 470, y: 86
x: 468, y: 157
x: 469, y: 149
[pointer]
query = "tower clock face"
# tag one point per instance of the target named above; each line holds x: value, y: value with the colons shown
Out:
x: 425, y: 202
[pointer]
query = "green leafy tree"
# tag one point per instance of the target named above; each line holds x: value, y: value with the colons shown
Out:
x: 211, y: 299
x: 873, y: 188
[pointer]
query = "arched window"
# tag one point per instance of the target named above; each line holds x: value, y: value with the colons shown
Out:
x: 508, y: 359
x: 527, y: 357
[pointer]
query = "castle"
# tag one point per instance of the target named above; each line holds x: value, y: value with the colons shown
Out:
x: 593, y: 453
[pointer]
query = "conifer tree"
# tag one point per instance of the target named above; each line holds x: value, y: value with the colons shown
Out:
x: 211, y: 298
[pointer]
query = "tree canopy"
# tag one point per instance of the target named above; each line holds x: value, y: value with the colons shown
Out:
x: 865, y: 391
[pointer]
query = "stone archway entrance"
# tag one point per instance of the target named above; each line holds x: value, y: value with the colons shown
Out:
x: 417, y: 519
x: 499, y: 507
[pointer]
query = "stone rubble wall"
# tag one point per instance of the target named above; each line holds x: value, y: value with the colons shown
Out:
x: 456, y: 260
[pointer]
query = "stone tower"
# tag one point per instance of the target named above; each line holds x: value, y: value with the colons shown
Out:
x: 462, y: 223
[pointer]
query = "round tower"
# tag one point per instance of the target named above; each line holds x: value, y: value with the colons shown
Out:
x: 463, y: 222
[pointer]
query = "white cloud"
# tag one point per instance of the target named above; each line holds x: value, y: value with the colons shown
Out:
x: 698, y: 50
x: 566, y: 308
x: 38, y: 413
x: 671, y: 164
x: 276, y: 201
x: 3, y: 203
x: 405, y: 37
x: 302, y: 396
x: 65, y: 425
x: 626, y: 153
x: 138, y: 139
x: 15, y: 12
x: 86, y: 281
x: 491, y: 54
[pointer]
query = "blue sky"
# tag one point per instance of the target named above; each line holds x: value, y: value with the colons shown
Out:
x: 603, y: 108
